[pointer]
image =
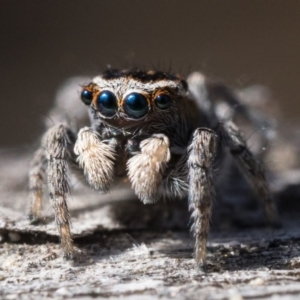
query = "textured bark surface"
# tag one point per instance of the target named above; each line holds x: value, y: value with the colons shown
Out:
x: 135, y: 251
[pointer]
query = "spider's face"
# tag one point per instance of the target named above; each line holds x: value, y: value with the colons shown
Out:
x: 133, y: 98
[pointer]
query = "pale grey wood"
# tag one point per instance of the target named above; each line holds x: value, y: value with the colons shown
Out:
x: 137, y: 251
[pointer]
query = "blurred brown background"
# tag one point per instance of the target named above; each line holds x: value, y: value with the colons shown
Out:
x: 45, y: 42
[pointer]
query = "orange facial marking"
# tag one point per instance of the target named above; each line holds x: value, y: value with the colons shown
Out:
x: 163, y: 91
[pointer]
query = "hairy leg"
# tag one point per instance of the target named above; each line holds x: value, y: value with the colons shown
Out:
x: 52, y: 158
x: 251, y: 167
x: 216, y: 98
x: 145, y: 168
x: 202, y: 151
x: 36, y: 184
x: 57, y: 153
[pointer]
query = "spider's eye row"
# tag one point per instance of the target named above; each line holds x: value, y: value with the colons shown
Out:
x: 136, y: 105
x: 163, y: 101
x: 107, y: 103
x: 86, y: 97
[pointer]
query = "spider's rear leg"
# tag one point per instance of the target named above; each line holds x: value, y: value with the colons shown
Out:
x: 145, y: 169
x: 36, y: 184
x: 202, y: 151
x: 251, y: 167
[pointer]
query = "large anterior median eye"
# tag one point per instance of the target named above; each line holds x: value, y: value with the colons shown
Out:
x: 107, y: 103
x: 136, y: 105
x: 163, y: 101
x: 86, y: 97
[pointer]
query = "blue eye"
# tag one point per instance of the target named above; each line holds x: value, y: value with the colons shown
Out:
x: 136, y: 105
x: 107, y: 103
x: 86, y: 97
x: 163, y: 101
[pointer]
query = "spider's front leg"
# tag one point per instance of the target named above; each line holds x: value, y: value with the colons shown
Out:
x: 145, y: 169
x: 54, y: 155
x: 52, y: 159
x: 201, y: 153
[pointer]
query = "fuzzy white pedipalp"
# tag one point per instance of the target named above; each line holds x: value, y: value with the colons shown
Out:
x: 96, y: 158
x: 145, y: 168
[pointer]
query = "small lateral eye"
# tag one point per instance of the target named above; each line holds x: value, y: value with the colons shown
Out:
x: 136, y: 105
x: 86, y: 97
x: 163, y: 101
x: 107, y: 103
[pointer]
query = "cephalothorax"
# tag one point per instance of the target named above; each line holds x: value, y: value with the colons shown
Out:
x: 162, y: 132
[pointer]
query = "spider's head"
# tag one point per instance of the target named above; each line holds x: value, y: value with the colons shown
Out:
x: 134, y: 99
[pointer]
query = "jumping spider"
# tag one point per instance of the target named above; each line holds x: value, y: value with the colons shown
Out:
x: 162, y: 132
